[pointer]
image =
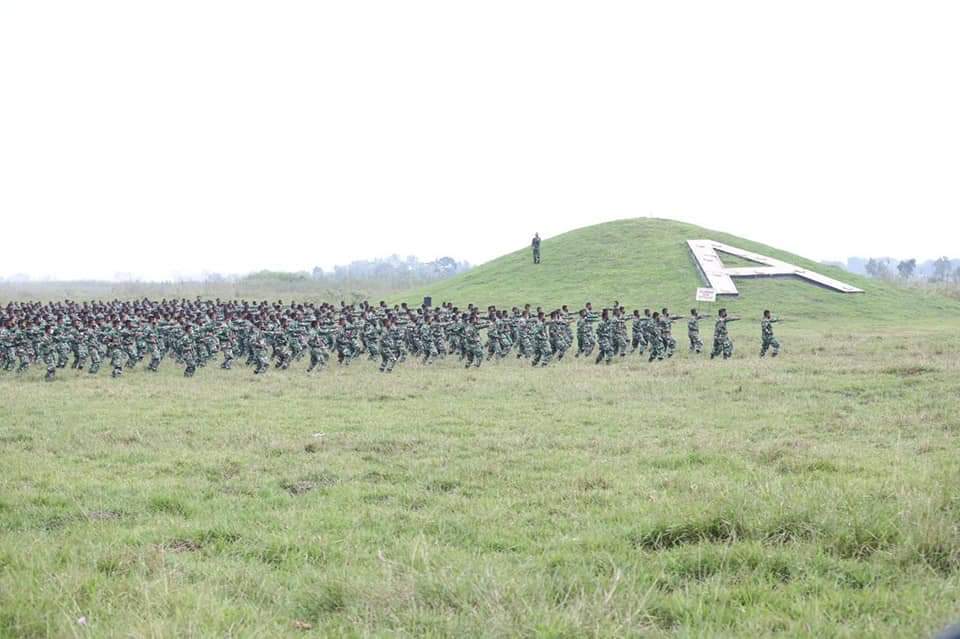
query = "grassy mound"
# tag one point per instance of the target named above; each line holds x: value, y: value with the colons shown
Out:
x: 645, y: 262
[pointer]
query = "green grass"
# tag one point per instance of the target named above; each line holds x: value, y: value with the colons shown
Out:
x: 645, y: 262
x: 813, y: 495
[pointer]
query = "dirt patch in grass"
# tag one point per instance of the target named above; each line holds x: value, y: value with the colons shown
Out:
x: 103, y: 515
x: 181, y: 545
x: 909, y: 371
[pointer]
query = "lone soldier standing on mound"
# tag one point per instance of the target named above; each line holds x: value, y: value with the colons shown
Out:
x: 535, y: 244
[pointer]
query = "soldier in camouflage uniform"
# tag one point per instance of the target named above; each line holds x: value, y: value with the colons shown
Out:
x: 768, y: 341
x: 666, y: 332
x: 605, y: 338
x: 722, y: 344
x: 47, y: 347
x: 389, y: 347
x: 621, y: 338
x: 693, y: 331
x: 115, y: 346
x: 473, y: 347
x: 8, y: 345
x: 93, y: 348
x: 655, y: 339
x: 317, y: 344
x: 188, y: 350
x: 638, y: 333
x: 542, y: 350
x: 585, y: 336
x: 258, y: 349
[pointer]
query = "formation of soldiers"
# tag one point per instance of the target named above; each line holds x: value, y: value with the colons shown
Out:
x: 197, y: 333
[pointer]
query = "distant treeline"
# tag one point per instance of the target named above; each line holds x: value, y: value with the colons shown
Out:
x: 942, y: 274
x: 353, y: 282
x: 940, y: 270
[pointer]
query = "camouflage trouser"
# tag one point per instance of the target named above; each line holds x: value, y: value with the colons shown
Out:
x: 620, y: 344
x: 80, y: 354
x: 9, y: 358
x: 542, y: 352
x: 770, y: 343
x: 559, y: 345
x: 190, y: 360
x: 63, y: 354
x: 440, y: 346
x: 94, y: 360
x: 202, y: 354
x: 388, y: 357
x: 284, y: 355
x: 696, y: 344
x: 132, y: 356
x: 116, y: 362
x: 259, y: 356
x: 525, y: 346
x: 430, y: 351
x: 23, y: 354
x: 722, y: 346
x: 155, y: 357
x: 669, y: 345
x: 52, y: 359
x: 228, y: 356
x: 474, y: 353
x: 493, y: 346
x: 639, y: 342
x: 345, y: 352
x: 656, y: 347
x: 585, y: 344
x: 606, y: 350
x: 536, y: 256
x: 318, y: 357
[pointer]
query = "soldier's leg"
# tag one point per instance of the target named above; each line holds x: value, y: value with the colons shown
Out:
x: 52, y: 360
x: 548, y: 355
x: 727, y: 348
x: 155, y: 356
x: 116, y: 362
x: 775, y: 345
x: 94, y: 361
x: 191, y: 362
x: 24, y: 357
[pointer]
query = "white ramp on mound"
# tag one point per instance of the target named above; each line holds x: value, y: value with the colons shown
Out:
x: 720, y: 278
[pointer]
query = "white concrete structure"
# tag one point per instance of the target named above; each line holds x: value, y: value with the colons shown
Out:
x: 720, y: 278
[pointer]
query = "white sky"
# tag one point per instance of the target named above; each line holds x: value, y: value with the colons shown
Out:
x: 164, y: 138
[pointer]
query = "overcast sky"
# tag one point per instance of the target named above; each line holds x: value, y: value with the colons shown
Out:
x: 166, y: 138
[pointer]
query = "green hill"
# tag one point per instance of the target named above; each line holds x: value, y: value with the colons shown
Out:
x: 645, y: 262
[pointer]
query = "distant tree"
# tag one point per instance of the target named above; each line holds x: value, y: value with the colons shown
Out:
x: 878, y: 268
x: 906, y: 268
x: 446, y: 266
x: 317, y: 273
x: 956, y: 275
x: 941, y: 270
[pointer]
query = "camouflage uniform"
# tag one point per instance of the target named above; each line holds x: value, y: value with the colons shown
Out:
x: 722, y: 345
x: 693, y: 334
x: 542, y: 350
x: 768, y: 341
x: 605, y: 341
x: 585, y: 335
x: 639, y: 341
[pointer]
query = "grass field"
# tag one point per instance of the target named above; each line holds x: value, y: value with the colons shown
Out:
x: 813, y: 495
